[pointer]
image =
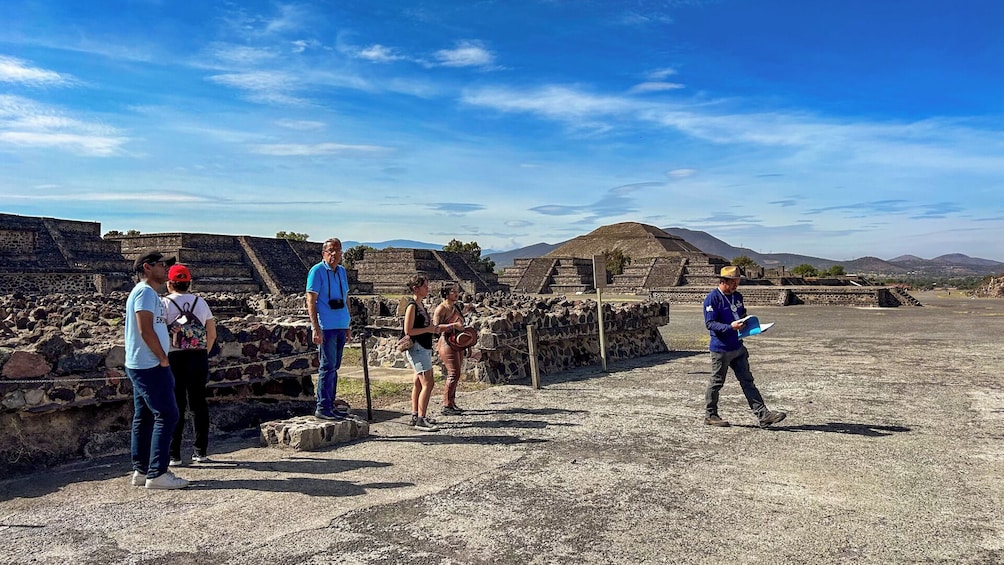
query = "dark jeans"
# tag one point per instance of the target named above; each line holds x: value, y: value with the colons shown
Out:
x: 154, y: 418
x: 738, y: 359
x: 191, y: 371
x: 330, y: 359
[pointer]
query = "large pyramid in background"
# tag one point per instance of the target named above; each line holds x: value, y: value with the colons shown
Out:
x: 658, y: 260
x: 635, y: 240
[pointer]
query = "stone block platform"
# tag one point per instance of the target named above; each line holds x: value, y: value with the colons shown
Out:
x: 307, y: 433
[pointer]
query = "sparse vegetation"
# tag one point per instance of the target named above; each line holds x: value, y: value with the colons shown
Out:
x: 354, y: 254
x: 615, y: 260
x: 473, y: 253
x: 805, y: 270
x: 291, y: 235
x: 745, y: 263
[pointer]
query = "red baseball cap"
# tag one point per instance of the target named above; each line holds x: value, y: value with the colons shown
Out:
x: 179, y: 273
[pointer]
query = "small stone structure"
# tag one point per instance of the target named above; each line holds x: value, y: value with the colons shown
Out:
x: 307, y: 433
x: 45, y: 255
x: 388, y: 270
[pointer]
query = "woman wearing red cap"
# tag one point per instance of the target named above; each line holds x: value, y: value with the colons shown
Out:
x: 193, y: 333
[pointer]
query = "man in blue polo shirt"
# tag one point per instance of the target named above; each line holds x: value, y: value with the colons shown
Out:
x: 723, y: 308
x: 328, y: 308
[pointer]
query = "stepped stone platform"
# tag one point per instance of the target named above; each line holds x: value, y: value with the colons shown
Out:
x: 388, y: 270
x: 307, y: 433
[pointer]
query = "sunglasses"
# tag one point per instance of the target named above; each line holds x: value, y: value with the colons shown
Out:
x: 161, y: 263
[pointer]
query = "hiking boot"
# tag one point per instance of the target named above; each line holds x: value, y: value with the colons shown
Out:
x: 196, y: 458
x: 425, y: 425
x: 451, y: 411
x: 328, y: 415
x: 138, y: 479
x: 167, y: 481
x: 716, y: 420
x: 772, y: 417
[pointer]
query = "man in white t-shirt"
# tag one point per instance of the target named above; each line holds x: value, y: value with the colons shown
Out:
x: 146, y: 345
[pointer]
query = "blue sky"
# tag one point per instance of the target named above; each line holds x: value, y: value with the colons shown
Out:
x: 837, y: 129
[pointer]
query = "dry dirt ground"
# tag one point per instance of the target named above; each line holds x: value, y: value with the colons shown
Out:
x: 893, y: 452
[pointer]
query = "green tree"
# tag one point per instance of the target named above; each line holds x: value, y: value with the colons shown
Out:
x: 472, y: 252
x: 132, y: 232
x: 805, y: 270
x: 113, y: 233
x: 615, y: 261
x: 834, y: 271
x: 291, y: 235
x: 745, y: 263
x: 354, y: 254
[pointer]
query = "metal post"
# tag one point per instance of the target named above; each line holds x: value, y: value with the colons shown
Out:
x: 603, y: 333
x: 531, y: 338
x: 366, y: 380
x: 600, y: 282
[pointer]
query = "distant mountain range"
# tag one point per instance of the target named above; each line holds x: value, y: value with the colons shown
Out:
x: 403, y: 243
x: 955, y: 264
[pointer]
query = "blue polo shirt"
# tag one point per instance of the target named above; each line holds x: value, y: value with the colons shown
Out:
x: 330, y: 283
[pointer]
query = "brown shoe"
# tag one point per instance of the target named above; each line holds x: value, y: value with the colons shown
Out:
x: 716, y: 420
x: 772, y: 418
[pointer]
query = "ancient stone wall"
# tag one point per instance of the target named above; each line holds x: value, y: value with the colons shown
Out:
x: 568, y: 335
x: 764, y: 295
x: 45, y: 283
x: 17, y: 241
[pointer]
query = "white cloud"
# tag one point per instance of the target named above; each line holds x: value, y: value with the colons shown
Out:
x: 379, y: 54
x: 306, y: 150
x: 18, y: 71
x: 241, y: 55
x: 268, y: 87
x: 301, y: 125
x: 25, y: 123
x: 681, y: 173
x: 655, y: 87
x: 660, y: 74
x: 115, y: 197
x: 465, y: 54
x: 932, y: 143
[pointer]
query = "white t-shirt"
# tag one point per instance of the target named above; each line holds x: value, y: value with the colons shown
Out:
x: 184, y: 301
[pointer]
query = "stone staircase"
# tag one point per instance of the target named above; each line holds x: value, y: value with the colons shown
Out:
x: 704, y: 274
x: 218, y: 262
x: 572, y: 275
x: 278, y: 266
x: 471, y: 280
x: 530, y: 275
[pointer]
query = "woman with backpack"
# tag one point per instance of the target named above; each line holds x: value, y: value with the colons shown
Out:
x: 193, y: 333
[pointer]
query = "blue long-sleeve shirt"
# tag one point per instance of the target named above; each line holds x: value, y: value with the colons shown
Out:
x: 718, y: 318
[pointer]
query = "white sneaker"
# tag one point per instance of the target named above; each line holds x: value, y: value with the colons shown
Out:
x: 167, y: 481
x: 196, y: 458
x: 138, y: 479
x: 176, y: 462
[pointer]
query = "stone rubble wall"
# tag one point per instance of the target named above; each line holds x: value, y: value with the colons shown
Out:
x: 567, y: 330
x: 763, y: 295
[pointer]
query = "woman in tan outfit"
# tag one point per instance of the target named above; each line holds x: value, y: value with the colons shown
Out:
x: 448, y: 313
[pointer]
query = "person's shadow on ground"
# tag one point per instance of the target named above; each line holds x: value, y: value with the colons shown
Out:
x: 867, y: 430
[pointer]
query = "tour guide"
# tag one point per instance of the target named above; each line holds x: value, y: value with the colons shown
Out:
x: 327, y: 305
x: 723, y: 307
